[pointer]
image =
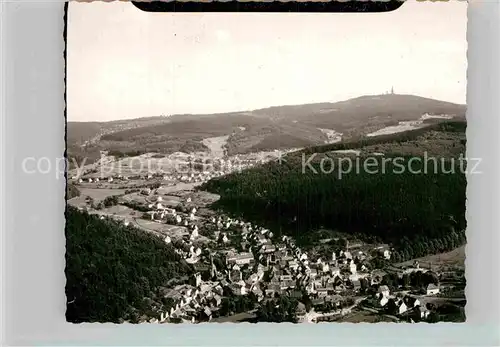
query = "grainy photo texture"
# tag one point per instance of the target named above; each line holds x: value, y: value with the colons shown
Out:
x: 253, y: 167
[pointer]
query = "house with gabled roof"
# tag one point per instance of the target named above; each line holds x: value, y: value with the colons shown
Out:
x: 384, y: 290
x: 432, y: 289
x: 396, y: 306
x: 420, y: 312
x: 411, y: 302
x: 383, y: 301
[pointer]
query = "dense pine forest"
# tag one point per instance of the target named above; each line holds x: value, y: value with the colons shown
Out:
x: 418, y: 213
x: 113, y: 272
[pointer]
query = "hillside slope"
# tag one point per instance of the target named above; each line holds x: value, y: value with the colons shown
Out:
x: 111, y: 269
x: 264, y: 129
x: 417, y: 212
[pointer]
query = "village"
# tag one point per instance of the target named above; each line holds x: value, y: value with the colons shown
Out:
x: 239, y: 266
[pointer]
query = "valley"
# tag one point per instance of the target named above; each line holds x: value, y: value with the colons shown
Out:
x: 244, y: 233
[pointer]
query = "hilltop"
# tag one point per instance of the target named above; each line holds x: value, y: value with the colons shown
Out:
x: 277, y: 127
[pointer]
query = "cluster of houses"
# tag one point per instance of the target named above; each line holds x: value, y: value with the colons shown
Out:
x: 112, y: 178
x: 192, y: 303
x: 288, y: 268
x: 262, y: 267
x: 259, y: 264
x: 404, y: 305
x: 225, y: 166
x: 198, y: 177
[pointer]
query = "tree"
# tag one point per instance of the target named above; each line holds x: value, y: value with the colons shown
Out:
x: 433, y: 317
x: 405, y: 281
x: 364, y: 284
x: 281, y: 309
x: 110, y: 268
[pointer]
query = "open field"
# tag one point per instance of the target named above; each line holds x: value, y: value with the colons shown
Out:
x: 403, y: 126
x: 99, y: 194
x: 234, y: 318
x: 174, y: 231
x: 454, y: 258
x: 119, y: 210
x: 178, y: 187
x: 216, y: 145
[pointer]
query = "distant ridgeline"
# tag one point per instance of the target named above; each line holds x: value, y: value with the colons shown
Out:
x: 72, y: 191
x: 114, y: 272
x: 418, y: 213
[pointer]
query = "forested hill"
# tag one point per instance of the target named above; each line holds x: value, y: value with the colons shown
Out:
x: 418, y: 213
x: 278, y: 127
x: 113, y: 272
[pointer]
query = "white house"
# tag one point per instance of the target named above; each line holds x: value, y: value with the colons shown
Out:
x: 422, y: 312
x: 197, y: 278
x: 383, y: 301
x: 412, y: 302
x: 163, y: 317
x: 241, y: 258
x: 402, y: 308
x: 432, y: 289
x: 384, y: 251
x: 384, y: 290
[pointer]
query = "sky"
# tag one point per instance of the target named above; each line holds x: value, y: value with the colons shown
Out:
x: 123, y: 63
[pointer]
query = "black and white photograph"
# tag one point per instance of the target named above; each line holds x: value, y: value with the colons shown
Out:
x: 266, y: 167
